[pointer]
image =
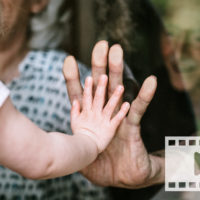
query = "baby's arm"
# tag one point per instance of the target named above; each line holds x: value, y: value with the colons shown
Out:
x: 36, y: 154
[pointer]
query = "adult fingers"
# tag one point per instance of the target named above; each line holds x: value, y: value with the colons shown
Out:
x: 140, y: 104
x: 99, y: 61
x: 72, y: 77
x: 115, y: 68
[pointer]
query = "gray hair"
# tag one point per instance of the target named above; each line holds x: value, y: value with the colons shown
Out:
x: 48, y: 27
x: 114, y: 21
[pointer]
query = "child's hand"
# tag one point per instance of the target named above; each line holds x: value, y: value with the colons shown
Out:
x: 96, y: 120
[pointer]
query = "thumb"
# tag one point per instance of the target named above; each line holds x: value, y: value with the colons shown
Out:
x: 140, y: 104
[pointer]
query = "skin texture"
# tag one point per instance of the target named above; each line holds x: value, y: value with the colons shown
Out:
x: 14, y: 21
x: 8, y: 21
x: 15, y: 14
x: 13, y: 27
x: 125, y: 163
x: 40, y: 155
x: 11, y: 54
x: 95, y: 119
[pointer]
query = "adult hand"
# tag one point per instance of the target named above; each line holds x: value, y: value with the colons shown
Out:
x: 100, y: 56
x: 125, y: 163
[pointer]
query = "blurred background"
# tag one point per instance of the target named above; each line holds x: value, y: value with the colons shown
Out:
x: 182, y: 22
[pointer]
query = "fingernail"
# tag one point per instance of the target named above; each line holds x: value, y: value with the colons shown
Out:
x: 150, y: 84
x: 120, y: 88
x: 116, y: 55
x: 89, y: 79
x: 128, y: 106
x: 99, y: 53
x: 103, y: 77
x: 74, y: 103
x: 152, y: 80
x: 154, y: 77
x: 101, y: 48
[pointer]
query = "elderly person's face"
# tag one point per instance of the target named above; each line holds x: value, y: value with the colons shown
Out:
x: 14, y: 14
x: 183, y: 22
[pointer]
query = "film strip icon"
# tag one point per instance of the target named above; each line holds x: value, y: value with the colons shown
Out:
x: 182, y: 164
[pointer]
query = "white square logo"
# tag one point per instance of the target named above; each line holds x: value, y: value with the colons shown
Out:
x: 182, y: 164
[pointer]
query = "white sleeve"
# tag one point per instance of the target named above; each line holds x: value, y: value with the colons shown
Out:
x: 4, y: 93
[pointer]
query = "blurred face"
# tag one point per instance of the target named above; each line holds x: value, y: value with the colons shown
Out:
x: 183, y: 23
x: 13, y: 17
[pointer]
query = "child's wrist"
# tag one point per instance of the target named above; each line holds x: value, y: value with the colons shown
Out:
x: 91, y: 136
x: 90, y: 145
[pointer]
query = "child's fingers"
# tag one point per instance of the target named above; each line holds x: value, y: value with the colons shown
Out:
x: 100, y: 94
x: 121, y: 114
x: 87, y: 94
x: 75, y: 111
x: 113, y: 101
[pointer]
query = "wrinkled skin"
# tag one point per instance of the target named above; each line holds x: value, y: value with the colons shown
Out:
x: 125, y: 163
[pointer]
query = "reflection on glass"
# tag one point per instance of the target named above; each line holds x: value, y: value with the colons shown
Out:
x: 182, y: 21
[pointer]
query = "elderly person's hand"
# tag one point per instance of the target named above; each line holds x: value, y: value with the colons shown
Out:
x: 125, y: 163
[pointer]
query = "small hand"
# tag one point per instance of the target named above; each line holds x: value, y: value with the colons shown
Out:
x: 96, y: 120
x: 125, y: 163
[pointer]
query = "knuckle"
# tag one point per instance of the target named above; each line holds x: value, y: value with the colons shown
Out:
x: 98, y: 96
x: 71, y: 77
x: 110, y: 90
x: 76, y: 96
x: 99, y: 63
x: 86, y: 92
x: 137, y: 110
x: 142, y: 101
